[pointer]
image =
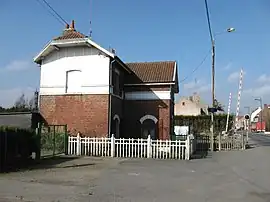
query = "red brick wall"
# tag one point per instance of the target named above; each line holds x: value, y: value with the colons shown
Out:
x: 135, y: 109
x: 87, y: 114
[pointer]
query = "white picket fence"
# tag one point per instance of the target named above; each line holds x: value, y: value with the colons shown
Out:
x: 131, y: 148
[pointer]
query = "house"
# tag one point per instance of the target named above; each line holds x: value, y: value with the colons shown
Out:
x: 190, y: 106
x: 95, y: 93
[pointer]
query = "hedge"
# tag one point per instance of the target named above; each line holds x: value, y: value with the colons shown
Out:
x: 202, y: 123
x: 16, y: 147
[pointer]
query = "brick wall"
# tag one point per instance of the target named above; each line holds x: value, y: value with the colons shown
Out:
x: 135, y: 109
x: 87, y: 114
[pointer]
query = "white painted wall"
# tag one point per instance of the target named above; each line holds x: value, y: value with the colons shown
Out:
x: 148, y: 95
x: 92, y: 77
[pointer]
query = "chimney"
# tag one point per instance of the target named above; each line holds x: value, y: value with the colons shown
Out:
x: 67, y: 26
x: 72, y: 26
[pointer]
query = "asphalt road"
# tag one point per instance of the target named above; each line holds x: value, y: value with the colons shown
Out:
x: 224, y: 176
x: 259, y: 139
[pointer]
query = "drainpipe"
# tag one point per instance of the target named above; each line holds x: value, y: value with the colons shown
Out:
x: 110, y: 98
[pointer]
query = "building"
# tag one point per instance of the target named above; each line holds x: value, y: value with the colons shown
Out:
x: 190, y: 106
x: 95, y: 93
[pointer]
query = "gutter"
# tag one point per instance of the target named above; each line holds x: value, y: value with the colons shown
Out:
x: 110, y: 98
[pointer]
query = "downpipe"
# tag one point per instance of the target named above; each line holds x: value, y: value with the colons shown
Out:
x: 110, y: 98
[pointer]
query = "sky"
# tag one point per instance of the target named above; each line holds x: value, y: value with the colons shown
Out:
x: 147, y: 31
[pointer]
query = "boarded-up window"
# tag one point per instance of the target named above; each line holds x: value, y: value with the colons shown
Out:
x: 73, y: 81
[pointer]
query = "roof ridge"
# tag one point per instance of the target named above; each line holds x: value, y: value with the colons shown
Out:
x: 161, y: 61
x: 70, y: 34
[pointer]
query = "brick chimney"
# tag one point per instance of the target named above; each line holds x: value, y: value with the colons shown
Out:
x: 72, y: 26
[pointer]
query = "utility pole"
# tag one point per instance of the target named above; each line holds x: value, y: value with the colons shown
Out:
x: 213, y: 94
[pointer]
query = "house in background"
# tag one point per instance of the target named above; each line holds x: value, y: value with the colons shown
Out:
x: 190, y: 106
x: 97, y: 94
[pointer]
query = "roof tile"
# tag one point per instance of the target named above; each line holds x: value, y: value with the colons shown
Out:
x: 152, y: 72
x: 70, y: 34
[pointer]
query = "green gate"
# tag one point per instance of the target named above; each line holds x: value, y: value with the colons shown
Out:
x: 53, y: 140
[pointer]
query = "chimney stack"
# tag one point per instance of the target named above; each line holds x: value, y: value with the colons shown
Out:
x: 72, y: 26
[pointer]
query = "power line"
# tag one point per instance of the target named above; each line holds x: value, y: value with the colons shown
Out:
x: 197, y: 67
x: 53, y: 12
x: 208, y: 20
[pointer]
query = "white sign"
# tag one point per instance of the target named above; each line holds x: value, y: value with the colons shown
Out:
x: 181, y: 130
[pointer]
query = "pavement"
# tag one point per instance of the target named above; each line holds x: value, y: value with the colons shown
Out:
x: 222, y: 176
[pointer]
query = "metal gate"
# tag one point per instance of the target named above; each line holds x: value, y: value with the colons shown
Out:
x: 53, y: 140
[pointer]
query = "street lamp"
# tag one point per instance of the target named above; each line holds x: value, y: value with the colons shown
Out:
x: 259, y: 99
x: 213, y: 83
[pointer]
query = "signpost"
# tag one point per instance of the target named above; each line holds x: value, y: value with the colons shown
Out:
x: 247, y: 118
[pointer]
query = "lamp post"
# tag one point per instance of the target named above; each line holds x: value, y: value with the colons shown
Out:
x: 213, y: 83
x: 259, y: 99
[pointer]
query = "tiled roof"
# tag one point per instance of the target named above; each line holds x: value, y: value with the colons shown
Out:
x: 152, y: 72
x: 70, y: 34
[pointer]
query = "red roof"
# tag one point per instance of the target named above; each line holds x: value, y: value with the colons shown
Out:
x: 153, y: 72
x: 70, y: 34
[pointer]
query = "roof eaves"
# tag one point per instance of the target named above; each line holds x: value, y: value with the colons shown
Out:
x: 123, y: 64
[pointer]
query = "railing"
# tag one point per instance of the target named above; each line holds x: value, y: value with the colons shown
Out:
x: 131, y: 148
x: 221, y: 142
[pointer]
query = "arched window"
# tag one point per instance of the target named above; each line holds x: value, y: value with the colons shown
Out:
x: 116, y: 126
x: 149, y: 126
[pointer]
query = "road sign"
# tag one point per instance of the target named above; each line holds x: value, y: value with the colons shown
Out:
x: 247, y: 117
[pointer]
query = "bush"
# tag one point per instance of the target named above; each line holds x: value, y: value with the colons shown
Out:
x: 202, y: 123
x: 16, y: 146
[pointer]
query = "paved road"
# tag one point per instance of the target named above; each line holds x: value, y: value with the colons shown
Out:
x: 258, y: 139
x: 224, y: 176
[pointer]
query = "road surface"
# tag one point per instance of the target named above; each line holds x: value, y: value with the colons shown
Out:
x: 224, y: 176
x: 259, y: 139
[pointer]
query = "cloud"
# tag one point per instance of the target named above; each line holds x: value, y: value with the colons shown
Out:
x: 234, y: 76
x: 9, y: 96
x: 263, y: 78
x: 18, y: 65
x: 197, y: 86
x: 228, y: 66
x: 259, y: 91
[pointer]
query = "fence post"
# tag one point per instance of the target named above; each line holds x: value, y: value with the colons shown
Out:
x: 187, y: 155
x: 219, y: 142
x: 78, y: 152
x: 243, y: 141
x: 149, y: 146
x: 38, y: 141
x: 112, y: 145
x: 66, y: 141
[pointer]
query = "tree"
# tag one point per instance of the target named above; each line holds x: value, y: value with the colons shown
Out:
x: 21, y: 102
x: 218, y: 105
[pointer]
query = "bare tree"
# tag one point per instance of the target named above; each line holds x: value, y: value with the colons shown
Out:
x: 21, y: 102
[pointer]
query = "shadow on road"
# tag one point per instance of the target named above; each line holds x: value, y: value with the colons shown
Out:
x: 47, y: 163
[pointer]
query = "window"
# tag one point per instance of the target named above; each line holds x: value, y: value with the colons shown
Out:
x: 183, y: 103
x: 117, y: 84
x: 149, y: 126
x: 73, y: 81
